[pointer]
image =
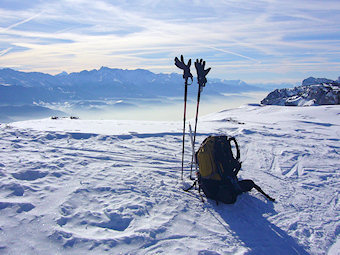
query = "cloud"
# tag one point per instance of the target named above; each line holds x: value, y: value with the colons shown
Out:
x: 245, y: 36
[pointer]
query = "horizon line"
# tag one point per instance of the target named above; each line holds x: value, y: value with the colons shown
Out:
x: 264, y: 82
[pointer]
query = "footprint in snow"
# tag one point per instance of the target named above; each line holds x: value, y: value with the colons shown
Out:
x: 29, y: 175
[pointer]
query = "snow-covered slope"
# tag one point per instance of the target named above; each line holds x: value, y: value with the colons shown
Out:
x: 113, y: 187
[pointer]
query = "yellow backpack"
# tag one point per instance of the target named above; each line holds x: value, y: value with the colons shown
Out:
x: 218, y: 168
x: 216, y: 159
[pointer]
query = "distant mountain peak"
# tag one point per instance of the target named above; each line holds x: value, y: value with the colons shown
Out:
x: 105, y: 68
x: 314, y: 81
x: 63, y: 73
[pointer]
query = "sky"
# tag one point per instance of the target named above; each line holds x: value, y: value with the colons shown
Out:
x: 252, y: 40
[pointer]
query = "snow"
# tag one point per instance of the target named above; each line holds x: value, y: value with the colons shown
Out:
x: 113, y: 187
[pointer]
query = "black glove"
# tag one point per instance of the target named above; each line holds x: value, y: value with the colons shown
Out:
x: 201, y: 73
x: 184, y: 67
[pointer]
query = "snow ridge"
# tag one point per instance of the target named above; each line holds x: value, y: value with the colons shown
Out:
x: 112, y: 187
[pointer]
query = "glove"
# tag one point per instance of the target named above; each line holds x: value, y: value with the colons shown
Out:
x: 184, y: 67
x: 201, y: 73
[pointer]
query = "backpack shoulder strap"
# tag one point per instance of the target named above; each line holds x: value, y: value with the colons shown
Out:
x: 237, y: 148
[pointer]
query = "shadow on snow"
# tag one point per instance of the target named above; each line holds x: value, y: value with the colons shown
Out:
x: 245, y: 220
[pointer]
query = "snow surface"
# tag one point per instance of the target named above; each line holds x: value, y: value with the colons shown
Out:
x: 113, y: 187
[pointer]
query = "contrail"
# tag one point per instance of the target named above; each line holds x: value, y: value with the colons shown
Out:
x: 21, y: 22
x: 233, y: 53
x: 3, y: 52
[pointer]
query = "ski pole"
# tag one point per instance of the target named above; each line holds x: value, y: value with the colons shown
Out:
x: 185, y: 109
x: 193, y: 147
x: 186, y: 75
x: 193, y: 153
x: 201, y: 80
x: 196, y: 120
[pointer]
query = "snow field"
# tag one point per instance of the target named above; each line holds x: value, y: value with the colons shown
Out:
x: 96, y: 187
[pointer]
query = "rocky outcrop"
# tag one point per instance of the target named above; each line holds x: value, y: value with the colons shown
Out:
x: 314, y: 91
x: 314, y: 81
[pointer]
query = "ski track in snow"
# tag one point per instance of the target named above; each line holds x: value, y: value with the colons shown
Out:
x: 97, y: 187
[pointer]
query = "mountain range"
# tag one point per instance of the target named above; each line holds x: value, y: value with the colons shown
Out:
x: 17, y: 88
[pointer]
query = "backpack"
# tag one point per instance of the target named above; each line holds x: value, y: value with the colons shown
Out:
x: 218, y: 168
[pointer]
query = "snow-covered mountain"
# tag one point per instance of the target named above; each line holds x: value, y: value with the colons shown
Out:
x: 315, y: 81
x: 113, y: 187
x: 91, y: 92
x: 24, y: 88
x: 314, y: 91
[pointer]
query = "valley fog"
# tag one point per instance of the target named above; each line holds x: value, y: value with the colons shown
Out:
x: 157, y: 109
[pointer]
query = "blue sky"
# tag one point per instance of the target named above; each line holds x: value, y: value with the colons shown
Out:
x: 255, y: 41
